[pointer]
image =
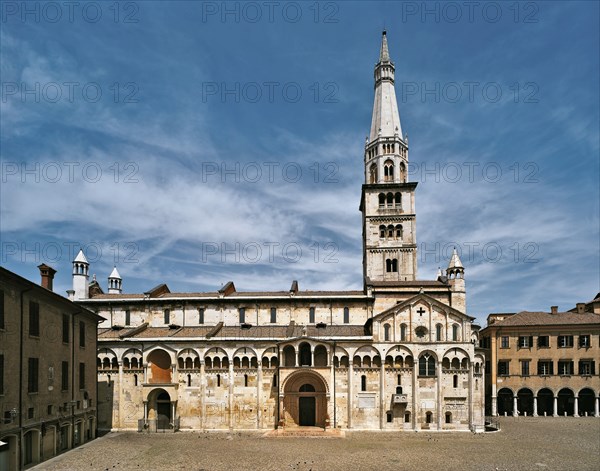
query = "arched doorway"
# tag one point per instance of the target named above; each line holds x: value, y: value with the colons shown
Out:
x: 587, y: 401
x: 525, y: 402
x: 505, y: 402
x: 566, y: 402
x: 305, y: 400
x: 160, y: 410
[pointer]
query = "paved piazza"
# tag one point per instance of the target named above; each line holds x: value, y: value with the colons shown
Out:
x: 570, y: 444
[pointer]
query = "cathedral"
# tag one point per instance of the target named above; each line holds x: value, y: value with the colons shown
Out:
x: 400, y: 354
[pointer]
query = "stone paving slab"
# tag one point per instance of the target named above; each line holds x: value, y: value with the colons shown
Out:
x: 522, y: 444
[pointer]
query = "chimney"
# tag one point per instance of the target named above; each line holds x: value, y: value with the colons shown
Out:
x: 580, y: 308
x: 47, y: 274
x: 553, y: 309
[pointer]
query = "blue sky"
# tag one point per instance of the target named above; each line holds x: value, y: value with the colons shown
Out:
x: 152, y: 133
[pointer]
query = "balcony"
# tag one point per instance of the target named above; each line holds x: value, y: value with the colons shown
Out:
x: 400, y: 398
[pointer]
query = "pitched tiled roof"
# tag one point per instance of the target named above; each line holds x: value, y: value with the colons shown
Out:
x: 545, y: 318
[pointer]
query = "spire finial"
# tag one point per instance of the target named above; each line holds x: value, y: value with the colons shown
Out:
x: 384, y: 55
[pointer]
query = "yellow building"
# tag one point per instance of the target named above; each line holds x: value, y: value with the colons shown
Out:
x: 544, y: 363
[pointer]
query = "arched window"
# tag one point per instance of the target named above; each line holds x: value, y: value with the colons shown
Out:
x: 455, y: 332
x: 390, y: 231
x: 382, y: 231
x: 407, y: 417
x: 388, y: 171
x: 395, y: 265
x: 455, y: 381
x: 448, y: 417
x: 373, y: 174
x: 398, y: 232
x: 346, y: 315
x: 429, y: 417
x: 386, y: 332
x: 189, y: 380
x: 381, y: 200
x: 363, y: 383
x: 402, y: 172
x: 388, y: 265
x: 403, y: 333
x: 398, y: 200
x: 307, y: 388
x: 390, y: 199
x: 246, y: 380
x: 438, y: 332
x: 426, y: 365
x: 135, y: 380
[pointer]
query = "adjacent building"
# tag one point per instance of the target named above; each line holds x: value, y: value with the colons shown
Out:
x: 47, y: 371
x: 400, y: 354
x: 544, y: 363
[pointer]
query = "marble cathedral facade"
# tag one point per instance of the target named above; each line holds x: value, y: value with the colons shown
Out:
x: 398, y: 355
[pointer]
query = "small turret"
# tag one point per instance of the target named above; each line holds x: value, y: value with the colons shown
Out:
x: 456, y: 280
x: 80, y: 277
x: 114, y: 282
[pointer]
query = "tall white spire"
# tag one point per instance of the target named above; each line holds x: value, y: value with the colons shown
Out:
x: 386, y: 118
x: 114, y: 282
x: 81, y: 283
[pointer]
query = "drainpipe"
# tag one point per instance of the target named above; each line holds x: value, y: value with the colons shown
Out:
x: 278, y: 386
x: 20, y: 439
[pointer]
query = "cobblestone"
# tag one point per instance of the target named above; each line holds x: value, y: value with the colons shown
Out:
x: 523, y: 444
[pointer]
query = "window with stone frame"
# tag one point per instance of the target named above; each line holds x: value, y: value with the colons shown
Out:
x: 525, y: 367
x: 565, y: 367
x: 426, y: 365
x: 584, y: 341
x: 273, y: 315
x: 503, y: 368
x: 587, y: 367
x: 565, y: 341
x: 346, y: 315
x: 525, y: 341
x: 201, y: 315
x: 543, y: 341
x: 545, y: 367
x: 505, y: 341
x: 311, y: 315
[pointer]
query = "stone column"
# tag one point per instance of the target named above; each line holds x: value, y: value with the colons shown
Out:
x: 350, y: 401
x: 296, y: 356
x: 231, y: 395
x: 145, y: 373
x: 555, y: 409
x: 382, y: 407
x: 415, y: 398
x: 145, y: 412
x: 439, y: 395
x: 597, y: 407
x: 470, y: 400
x: 120, y: 394
x: 259, y: 396
x: 494, y: 406
x: 576, y: 407
x: 202, y: 394
x: 515, y: 407
x: 535, y: 412
x: 173, y: 414
x: 312, y: 356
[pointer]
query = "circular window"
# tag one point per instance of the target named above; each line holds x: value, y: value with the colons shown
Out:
x: 421, y: 332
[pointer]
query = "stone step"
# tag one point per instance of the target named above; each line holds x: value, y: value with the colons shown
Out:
x: 306, y: 432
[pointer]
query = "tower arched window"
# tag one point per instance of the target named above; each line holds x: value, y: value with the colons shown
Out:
x: 395, y: 265
x: 402, y: 172
x: 398, y: 232
x: 388, y: 171
x: 398, y: 199
x: 390, y: 231
x: 382, y: 231
x: 373, y: 174
x: 390, y: 199
x: 386, y: 332
x: 381, y: 200
x: 391, y: 265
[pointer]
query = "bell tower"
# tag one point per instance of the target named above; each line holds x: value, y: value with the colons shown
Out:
x: 387, y: 202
